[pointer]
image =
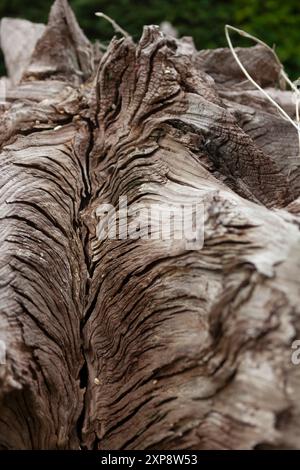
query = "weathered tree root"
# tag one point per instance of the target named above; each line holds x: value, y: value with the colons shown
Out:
x: 132, y: 344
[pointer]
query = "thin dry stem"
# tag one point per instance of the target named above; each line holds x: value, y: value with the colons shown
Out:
x: 115, y: 25
x: 282, y: 72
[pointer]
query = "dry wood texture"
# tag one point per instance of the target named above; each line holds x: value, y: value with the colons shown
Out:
x: 134, y: 344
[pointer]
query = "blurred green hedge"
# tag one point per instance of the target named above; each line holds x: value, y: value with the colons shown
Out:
x: 274, y: 21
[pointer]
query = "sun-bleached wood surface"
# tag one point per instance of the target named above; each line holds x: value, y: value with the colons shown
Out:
x: 134, y: 344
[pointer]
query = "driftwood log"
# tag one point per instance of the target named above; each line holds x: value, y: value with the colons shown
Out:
x: 133, y: 344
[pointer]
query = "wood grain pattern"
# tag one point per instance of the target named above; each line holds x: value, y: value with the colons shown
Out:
x: 136, y: 344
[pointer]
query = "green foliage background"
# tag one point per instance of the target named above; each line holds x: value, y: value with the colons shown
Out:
x: 273, y: 21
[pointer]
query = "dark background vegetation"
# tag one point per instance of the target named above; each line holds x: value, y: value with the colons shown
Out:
x: 274, y: 21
